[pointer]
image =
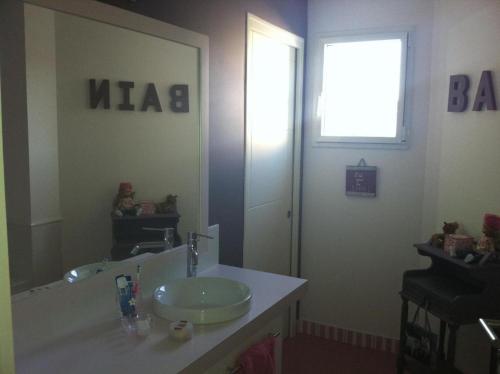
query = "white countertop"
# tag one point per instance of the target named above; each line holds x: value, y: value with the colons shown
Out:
x: 105, y: 348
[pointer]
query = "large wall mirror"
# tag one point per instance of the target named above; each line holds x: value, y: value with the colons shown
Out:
x: 115, y: 102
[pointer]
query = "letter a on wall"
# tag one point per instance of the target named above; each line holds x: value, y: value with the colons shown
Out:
x: 151, y: 99
x: 485, y: 93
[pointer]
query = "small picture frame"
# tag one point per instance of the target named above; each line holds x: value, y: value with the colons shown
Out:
x: 148, y: 208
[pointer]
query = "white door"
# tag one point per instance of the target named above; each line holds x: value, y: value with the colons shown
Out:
x: 272, y: 147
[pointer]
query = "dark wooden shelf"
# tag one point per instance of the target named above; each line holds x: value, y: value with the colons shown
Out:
x: 438, y: 253
x: 455, y: 292
x: 144, y: 216
x: 484, y: 271
x: 129, y: 230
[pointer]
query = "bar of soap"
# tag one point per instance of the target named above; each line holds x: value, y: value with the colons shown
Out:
x: 180, y: 330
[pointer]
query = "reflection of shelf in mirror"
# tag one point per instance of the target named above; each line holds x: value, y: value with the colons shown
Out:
x: 129, y: 230
x: 145, y: 216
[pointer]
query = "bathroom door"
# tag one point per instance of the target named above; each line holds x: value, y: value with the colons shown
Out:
x: 272, y: 143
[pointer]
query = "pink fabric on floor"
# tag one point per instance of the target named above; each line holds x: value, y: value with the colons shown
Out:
x: 259, y: 359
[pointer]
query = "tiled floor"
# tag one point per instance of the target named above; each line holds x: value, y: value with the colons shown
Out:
x: 305, y: 354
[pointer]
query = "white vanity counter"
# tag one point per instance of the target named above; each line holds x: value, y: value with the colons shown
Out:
x: 105, y: 347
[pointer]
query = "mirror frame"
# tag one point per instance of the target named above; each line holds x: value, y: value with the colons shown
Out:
x: 6, y: 335
x: 118, y: 17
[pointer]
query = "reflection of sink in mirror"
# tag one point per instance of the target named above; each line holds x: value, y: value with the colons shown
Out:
x: 202, y: 300
x: 86, y: 271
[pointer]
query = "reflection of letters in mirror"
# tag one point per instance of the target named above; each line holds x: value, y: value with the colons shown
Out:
x: 100, y: 93
x: 179, y: 94
x: 136, y: 84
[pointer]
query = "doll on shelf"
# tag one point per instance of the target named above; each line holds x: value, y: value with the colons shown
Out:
x: 124, y: 204
x: 490, y: 241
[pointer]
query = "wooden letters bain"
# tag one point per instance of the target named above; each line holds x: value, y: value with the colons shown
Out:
x: 458, y: 94
x: 100, y: 93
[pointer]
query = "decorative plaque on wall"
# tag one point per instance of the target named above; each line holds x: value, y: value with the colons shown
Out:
x: 361, y: 180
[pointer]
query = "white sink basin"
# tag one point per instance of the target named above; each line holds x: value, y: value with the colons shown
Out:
x: 202, y: 300
x: 86, y: 271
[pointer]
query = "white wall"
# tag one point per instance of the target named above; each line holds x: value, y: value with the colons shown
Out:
x: 354, y: 250
x: 467, y: 147
x: 462, y: 175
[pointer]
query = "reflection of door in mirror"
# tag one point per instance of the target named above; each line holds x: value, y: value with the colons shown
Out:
x: 100, y: 112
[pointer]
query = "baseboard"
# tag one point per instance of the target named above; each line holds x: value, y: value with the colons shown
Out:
x: 346, y: 336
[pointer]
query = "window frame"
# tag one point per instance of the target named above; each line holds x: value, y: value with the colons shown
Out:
x: 400, y: 141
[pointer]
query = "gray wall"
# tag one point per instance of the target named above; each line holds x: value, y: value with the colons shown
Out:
x: 224, y: 21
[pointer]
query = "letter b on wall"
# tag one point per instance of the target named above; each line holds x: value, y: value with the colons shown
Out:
x: 457, y: 97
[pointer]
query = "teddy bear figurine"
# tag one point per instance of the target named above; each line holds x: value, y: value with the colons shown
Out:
x: 437, y: 240
x: 169, y: 206
x: 124, y: 204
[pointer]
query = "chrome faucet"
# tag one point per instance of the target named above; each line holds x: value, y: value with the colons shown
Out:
x: 192, y: 253
x: 166, y: 244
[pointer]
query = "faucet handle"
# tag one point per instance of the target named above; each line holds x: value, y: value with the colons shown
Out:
x: 157, y: 228
x: 168, y: 231
x: 204, y: 235
x: 195, y: 236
